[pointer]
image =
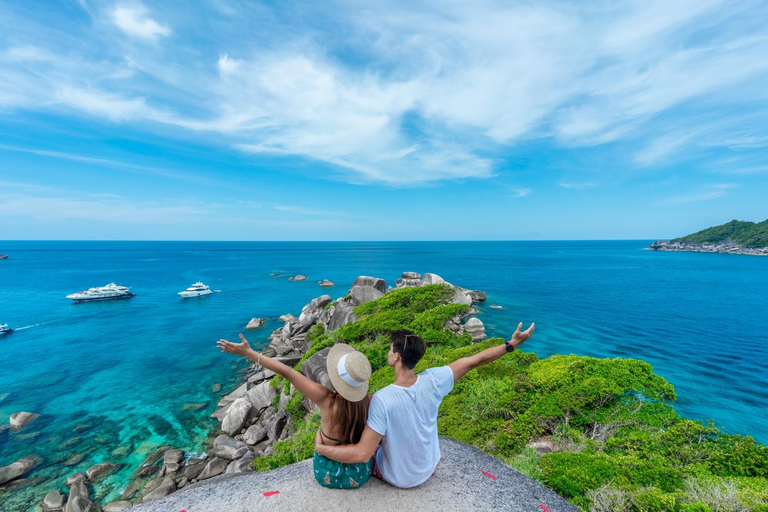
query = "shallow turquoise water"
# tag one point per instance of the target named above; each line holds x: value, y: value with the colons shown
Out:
x: 124, y: 370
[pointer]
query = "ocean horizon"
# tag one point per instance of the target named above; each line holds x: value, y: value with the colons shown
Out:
x: 115, y: 380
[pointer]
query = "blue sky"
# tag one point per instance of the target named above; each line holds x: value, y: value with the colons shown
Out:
x: 244, y: 120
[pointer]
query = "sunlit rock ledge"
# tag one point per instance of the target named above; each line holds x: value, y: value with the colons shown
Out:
x: 464, y: 480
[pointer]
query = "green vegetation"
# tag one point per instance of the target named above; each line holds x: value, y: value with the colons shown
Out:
x: 619, y: 444
x: 746, y: 234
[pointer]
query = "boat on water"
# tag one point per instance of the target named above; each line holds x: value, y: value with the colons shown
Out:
x: 3, y: 256
x: 196, y: 290
x: 4, y: 329
x: 111, y: 291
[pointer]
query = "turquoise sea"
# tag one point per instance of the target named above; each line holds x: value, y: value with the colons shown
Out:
x: 133, y: 375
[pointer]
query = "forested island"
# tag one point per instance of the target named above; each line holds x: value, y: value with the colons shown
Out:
x: 735, y: 237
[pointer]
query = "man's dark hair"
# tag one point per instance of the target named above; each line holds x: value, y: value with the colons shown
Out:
x: 410, y: 347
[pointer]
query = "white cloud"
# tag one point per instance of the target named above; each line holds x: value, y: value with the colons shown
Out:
x: 520, y: 192
x: 578, y: 186
x: 706, y: 193
x: 227, y: 65
x: 134, y: 21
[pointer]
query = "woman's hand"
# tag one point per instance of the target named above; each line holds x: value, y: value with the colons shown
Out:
x: 240, y: 349
x: 518, y: 338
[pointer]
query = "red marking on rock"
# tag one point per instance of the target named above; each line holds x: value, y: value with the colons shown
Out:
x: 544, y: 507
x: 271, y: 493
x: 493, y: 477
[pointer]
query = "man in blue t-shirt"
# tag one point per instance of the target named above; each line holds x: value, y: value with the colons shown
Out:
x: 403, y: 416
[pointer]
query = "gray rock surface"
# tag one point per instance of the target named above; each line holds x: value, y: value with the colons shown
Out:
x: 362, y: 294
x: 475, y: 327
x: 255, y: 434
x: 18, y: 468
x: 260, y: 396
x: 428, y: 279
x: 255, y: 323
x: 316, y: 370
x: 80, y: 504
x: 117, y: 506
x: 165, y: 487
x: 54, y: 501
x: 20, y: 419
x: 343, y: 313
x: 74, y: 478
x: 215, y: 467
x: 375, y: 282
x: 458, y: 484
x: 98, y: 471
x: 410, y: 275
x: 228, y: 448
x: 241, y: 465
x: 236, y: 416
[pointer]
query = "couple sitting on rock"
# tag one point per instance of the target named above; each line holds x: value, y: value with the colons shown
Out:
x: 391, y: 435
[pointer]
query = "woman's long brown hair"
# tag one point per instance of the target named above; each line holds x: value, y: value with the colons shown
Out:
x: 349, y: 418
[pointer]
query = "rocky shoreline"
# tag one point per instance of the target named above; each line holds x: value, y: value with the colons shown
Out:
x: 726, y: 247
x: 253, y: 417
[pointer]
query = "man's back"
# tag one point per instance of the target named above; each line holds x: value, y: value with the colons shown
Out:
x: 407, y: 418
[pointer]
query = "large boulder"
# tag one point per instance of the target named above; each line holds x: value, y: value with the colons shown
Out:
x: 428, y: 279
x: 325, y: 283
x: 193, y: 469
x: 239, y: 392
x: 477, y: 295
x: 314, y: 306
x: 74, y: 477
x: 315, y: 368
x: 117, y: 506
x: 360, y: 294
x: 275, y: 425
x: 129, y: 491
x: 215, y: 467
x: 461, y: 297
x: 411, y: 275
x: 475, y: 328
x: 236, y: 416
x: 20, y: 419
x: 255, y: 323
x: 99, y: 471
x: 54, y: 501
x: 254, y: 434
x: 241, y: 465
x: 80, y: 504
x: 260, y: 396
x: 18, y: 468
x: 374, y: 282
x: 228, y: 448
x: 160, y: 490
x: 173, y: 460
x: 300, y: 277
x: 343, y: 313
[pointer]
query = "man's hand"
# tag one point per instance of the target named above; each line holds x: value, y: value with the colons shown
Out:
x: 240, y: 349
x: 518, y: 338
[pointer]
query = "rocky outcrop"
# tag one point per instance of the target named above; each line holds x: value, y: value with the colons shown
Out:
x: 341, y: 314
x: 99, y: 471
x: 228, y: 448
x: 21, y: 419
x: 215, y: 467
x: 726, y: 247
x: 475, y: 328
x: 360, y: 294
x: 158, y: 489
x: 117, y: 506
x: 18, y: 468
x: 326, y: 283
x: 255, y: 323
x: 54, y: 501
x: 299, y: 277
x: 236, y: 416
x: 374, y: 282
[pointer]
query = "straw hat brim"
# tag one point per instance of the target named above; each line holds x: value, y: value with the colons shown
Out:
x: 351, y: 393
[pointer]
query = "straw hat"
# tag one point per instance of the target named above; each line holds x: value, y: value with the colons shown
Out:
x: 349, y: 371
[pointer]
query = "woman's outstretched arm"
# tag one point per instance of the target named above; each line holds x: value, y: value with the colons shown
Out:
x: 310, y: 389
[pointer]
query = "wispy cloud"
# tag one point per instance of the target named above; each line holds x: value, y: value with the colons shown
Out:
x: 134, y: 20
x: 706, y: 193
x: 406, y: 94
x: 578, y: 186
x: 520, y: 192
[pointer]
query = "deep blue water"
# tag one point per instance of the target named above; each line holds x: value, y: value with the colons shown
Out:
x: 124, y: 370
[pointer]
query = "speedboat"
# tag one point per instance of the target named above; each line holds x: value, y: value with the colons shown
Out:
x: 196, y: 290
x: 111, y: 291
x: 4, y: 329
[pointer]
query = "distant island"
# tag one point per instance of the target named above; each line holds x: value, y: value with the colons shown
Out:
x: 735, y: 237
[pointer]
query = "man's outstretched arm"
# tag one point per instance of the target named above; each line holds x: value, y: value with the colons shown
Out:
x: 350, y: 453
x: 462, y: 366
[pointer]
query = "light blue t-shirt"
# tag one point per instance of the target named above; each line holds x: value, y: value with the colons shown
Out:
x: 407, y: 418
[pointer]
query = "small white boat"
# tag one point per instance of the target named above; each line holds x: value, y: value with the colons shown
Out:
x: 111, y: 291
x: 4, y: 329
x: 196, y: 290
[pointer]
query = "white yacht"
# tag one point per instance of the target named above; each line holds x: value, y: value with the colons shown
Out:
x: 196, y: 290
x: 4, y: 329
x: 108, y: 292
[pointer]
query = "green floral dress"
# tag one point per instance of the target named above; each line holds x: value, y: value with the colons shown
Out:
x: 338, y: 475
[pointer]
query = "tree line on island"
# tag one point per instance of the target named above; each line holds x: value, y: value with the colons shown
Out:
x: 735, y: 237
